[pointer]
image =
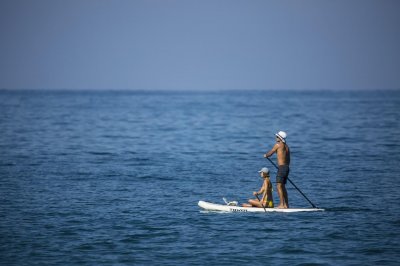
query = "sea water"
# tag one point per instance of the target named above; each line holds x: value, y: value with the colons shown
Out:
x: 114, y: 177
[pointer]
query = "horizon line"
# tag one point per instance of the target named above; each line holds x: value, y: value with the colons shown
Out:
x: 199, y: 90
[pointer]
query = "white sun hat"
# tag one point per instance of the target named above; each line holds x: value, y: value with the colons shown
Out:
x: 282, y: 136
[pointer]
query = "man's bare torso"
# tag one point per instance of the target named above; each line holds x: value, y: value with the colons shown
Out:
x: 282, y: 154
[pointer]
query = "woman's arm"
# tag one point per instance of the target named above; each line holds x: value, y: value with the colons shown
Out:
x: 264, y: 191
x: 263, y: 188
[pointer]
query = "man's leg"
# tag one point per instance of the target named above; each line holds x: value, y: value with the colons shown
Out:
x: 279, y: 187
x: 285, y: 196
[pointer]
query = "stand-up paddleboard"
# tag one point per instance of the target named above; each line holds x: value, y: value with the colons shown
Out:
x: 226, y: 208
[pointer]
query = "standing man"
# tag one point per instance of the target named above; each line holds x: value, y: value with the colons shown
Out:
x: 283, y: 157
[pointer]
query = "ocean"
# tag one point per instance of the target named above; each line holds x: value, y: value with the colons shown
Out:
x: 114, y: 177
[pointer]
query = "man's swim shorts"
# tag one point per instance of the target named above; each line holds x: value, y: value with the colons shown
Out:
x: 283, y: 173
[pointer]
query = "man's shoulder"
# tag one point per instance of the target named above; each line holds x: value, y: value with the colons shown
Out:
x: 280, y: 144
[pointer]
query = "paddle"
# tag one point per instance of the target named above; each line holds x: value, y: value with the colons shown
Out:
x: 261, y: 202
x: 312, y: 204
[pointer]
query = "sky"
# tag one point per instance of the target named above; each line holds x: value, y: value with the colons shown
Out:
x: 200, y: 45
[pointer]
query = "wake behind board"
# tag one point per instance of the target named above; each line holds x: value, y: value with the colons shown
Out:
x: 226, y: 208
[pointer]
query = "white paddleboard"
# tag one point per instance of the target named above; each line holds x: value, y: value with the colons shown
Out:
x: 226, y: 208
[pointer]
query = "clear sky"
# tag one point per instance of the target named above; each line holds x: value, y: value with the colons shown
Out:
x: 199, y: 45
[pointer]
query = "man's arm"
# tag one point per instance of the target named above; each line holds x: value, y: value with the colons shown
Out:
x: 272, y: 151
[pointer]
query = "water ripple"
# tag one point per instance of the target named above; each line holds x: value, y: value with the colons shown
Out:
x: 113, y: 178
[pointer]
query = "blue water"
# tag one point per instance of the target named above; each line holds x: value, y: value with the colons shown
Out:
x: 113, y: 178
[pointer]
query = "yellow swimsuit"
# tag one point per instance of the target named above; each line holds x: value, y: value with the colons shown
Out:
x: 269, y: 203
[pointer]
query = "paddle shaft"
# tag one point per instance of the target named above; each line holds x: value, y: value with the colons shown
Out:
x: 312, y: 204
x: 261, y: 203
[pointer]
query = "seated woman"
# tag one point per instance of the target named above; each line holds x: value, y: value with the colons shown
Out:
x: 266, y: 190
